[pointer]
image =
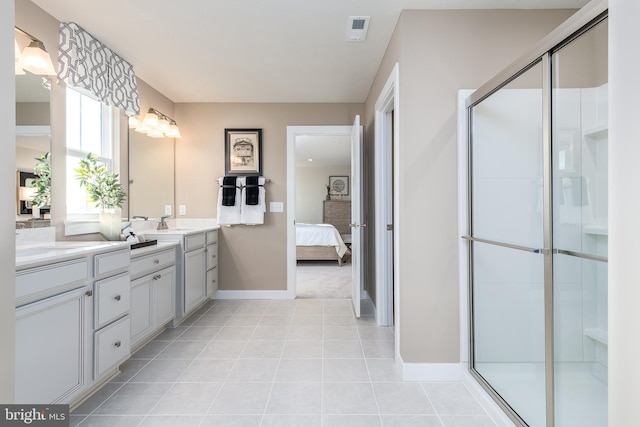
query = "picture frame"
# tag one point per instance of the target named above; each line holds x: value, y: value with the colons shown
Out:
x: 243, y: 152
x: 24, y: 181
x: 339, y: 185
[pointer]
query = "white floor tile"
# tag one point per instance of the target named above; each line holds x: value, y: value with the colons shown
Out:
x: 281, y: 363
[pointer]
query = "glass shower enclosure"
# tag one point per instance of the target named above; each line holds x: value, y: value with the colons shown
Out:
x: 538, y: 232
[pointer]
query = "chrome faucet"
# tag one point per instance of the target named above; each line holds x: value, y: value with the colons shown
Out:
x: 162, y: 225
x: 146, y: 218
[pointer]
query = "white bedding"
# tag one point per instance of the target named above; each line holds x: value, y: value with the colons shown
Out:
x: 320, y: 235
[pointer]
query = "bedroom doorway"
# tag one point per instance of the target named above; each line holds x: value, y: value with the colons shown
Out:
x: 318, y: 157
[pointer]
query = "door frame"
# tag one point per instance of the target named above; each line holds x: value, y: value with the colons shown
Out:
x: 292, y: 133
x: 386, y: 202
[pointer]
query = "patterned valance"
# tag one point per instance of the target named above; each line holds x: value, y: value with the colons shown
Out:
x: 88, y: 64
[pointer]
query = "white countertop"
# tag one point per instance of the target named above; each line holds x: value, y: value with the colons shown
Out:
x: 33, y: 255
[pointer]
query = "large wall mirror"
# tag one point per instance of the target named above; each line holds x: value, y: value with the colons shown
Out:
x: 151, y: 176
x: 33, y: 139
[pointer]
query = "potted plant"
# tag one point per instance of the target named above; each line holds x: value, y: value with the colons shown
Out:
x: 42, y: 183
x: 104, y: 189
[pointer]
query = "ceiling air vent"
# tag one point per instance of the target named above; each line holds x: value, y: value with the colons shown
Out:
x: 357, y: 28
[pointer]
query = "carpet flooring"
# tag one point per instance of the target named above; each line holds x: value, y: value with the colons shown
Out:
x: 323, y: 279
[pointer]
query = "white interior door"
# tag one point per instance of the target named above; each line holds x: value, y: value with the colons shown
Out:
x: 356, y: 214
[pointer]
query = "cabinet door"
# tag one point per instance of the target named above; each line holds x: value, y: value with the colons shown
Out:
x: 164, y: 283
x: 194, y: 278
x: 140, y: 307
x: 50, y: 348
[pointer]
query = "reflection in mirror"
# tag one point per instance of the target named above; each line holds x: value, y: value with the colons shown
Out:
x: 151, y: 176
x: 33, y: 141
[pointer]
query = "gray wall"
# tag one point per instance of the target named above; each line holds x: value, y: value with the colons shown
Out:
x: 252, y: 257
x: 439, y: 52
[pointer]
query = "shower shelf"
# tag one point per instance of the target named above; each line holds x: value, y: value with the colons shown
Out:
x: 597, y: 132
x: 598, y: 229
x: 597, y: 334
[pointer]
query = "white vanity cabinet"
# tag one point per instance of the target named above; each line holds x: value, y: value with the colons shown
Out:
x: 112, y: 302
x: 153, y: 282
x: 191, y: 268
x: 212, y: 263
x: 72, y: 320
x: 51, y: 345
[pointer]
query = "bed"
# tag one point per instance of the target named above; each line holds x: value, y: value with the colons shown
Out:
x: 320, y: 242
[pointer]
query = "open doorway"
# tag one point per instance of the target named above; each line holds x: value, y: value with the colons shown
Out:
x: 319, y: 159
x: 323, y: 213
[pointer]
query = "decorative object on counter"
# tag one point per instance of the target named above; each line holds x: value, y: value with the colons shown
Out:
x: 243, y: 151
x: 338, y: 186
x: 155, y: 124
x: 104, y: 189
x: 33, y: 58
x: 144, y: 244
x: 328, y: 192
x: 129, y: 235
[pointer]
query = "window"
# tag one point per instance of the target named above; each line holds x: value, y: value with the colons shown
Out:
x: 89, y: 130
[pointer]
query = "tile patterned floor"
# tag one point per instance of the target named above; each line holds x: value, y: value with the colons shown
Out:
x: 279, y: 363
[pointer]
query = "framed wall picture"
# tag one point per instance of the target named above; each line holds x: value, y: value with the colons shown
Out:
x: 339, y: 185
x: 25, y: 192
x: 243, y: 151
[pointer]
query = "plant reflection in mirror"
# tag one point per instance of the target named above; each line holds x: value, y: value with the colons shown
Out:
x: 42, y: 183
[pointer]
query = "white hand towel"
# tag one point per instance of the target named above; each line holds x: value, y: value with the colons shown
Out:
x: 253, y: 214
x: 228, y: 215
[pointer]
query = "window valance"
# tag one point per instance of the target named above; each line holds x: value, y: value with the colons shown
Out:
x: 88, y: 64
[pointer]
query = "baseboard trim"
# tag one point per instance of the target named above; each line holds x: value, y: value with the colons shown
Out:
x: 222, y: 294
x: 426, y: 372
x: 488, y: 404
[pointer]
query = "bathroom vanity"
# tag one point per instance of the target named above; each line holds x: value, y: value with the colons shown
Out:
x: 72, y: 318
x: 196, y: 266
x: 153, y: 284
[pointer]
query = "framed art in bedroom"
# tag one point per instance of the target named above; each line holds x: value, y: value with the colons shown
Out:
x: 339, y: 185
x: 243, y: 151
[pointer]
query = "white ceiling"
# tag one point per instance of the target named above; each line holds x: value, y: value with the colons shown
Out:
x: 323, y: 150
x: 251, y: 50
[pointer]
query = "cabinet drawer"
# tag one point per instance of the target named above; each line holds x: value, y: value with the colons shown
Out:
x: 112, y: 299
x: 194, y: 241
x: 111, y: 262
x: 212, y: 237
x: 112, y: 346
x: 152, y: 262
x: 41, y: 282
x: 212, y: 256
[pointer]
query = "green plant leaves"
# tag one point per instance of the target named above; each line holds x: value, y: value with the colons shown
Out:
x: 103, y: 187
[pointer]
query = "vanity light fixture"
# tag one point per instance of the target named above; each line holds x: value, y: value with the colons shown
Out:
x: 34, y: 58
x: 155, y: 124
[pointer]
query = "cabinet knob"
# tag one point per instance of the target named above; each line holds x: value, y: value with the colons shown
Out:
x: 156, y: 261
x: 117, y: 344
x: 117, y: 297
x: 89, y: 293
x: 157, y: 277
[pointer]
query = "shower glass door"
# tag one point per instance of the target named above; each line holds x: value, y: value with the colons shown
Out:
x: 580, y: 232
x: 507, y: 231
x: 538, y: 231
